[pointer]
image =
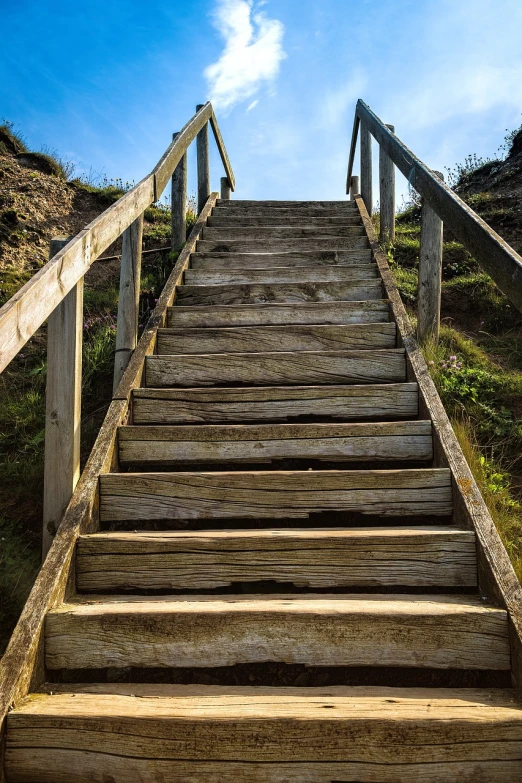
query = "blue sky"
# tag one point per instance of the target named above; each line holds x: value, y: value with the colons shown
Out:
x: 106, y: 83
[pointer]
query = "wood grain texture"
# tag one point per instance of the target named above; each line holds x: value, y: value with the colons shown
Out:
x: 296, y: 274
x: 133, y: 375
x: 63, y: 398
x: 279, y: 245
x: 259, y: 293
x: 251, y: 339
x: 270, y: 260
x: 277, y: 494
x: 206, y: 560
x: 279, y: 313
x: 247, y: 233
x: 223, y: 218
x: 129, y: 298
x: 492, y: 252
x: 267, y: 369
x: 168, y: 445
x: 232, y: 210
x: 497, y: 577
x: 278, y: 204
x: 85, y: 734
x: 435, y: 631
x: 274, y: 403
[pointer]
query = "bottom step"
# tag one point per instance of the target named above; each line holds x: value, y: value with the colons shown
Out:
x: 169, y: 733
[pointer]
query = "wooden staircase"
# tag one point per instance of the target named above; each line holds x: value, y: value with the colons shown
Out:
x: 283, y: 590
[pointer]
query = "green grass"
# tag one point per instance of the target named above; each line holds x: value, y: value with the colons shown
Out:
x: 476, y: 367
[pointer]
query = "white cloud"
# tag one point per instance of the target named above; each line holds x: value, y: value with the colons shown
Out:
x: 252, y: 105
x: 252, y: 54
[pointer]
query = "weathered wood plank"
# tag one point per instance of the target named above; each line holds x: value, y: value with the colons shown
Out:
x: 270, y: 260
x: 259, y: 293
x: 296, y: 274
x: 222, y: 218
x: 87, y: 734
x: 132, y: 376
x: 248, y: 233
x: 281, y: 313
x: 203, y: 164
x: 276, y: 494
x: 63, y: 397
x: 267, y: 369
x: 129, y: 298
x: 232, y: 211
x: 276, y: 403
x: 169, y: 445
x: 491, y: 251
x: 206, y: 560
x: 222, y: 152
x: 269, y: 245
x: 251, y: 339
x: 274, y: 203
x: 497, y: 577
x: 435, y: 631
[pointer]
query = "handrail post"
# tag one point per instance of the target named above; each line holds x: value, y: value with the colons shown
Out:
x: 203, y: 154
x: 387, y: 195
x: 430, y: 273
x: 129, y: 298
x: 179, y: 203
x: 63, y: 398
x: 366, y: 168
x: 354, y: 187
x: 225, y: 188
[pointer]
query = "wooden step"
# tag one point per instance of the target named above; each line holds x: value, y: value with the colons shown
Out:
x: 167, y: 445
x: 259, y: 293
x: 270, y: 260
x: 266, y: 314
x: 274, y: 403
x: 278, y: 245
x: 248, y: 233
x: 224, y: 218
x: 296, y: 274
x: 273, y: 494
x: 205, y: 560
x: 268, y: 369
x: 231, y: 204
x: 435, y: 631
x: 131, y: 733
x: 300, y: 337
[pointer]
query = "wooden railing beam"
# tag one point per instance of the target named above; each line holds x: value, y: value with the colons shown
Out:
x: 179, y: 202
x: 62, y: 405
x: 386, y: 195
x: 129, y: 298
x: 495, y: 256
x: 203, y: 156
x: 223, y: 152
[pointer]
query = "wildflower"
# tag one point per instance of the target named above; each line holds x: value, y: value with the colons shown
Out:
x: 431, y: 363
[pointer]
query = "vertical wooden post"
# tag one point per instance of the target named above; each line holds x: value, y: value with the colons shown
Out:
x: 226, y: 190
x: 63, y: 398
x: 128, y: 302
x: 354, y: 187
x: 203, y: 164
x: 366, y: 167
x: 430, y: 273
x: 179, y: 203
x: 387, y: 195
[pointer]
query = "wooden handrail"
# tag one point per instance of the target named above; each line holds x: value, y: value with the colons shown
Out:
x: 496, y: 257
x: 26, y: 311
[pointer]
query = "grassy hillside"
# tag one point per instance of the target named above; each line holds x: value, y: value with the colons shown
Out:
x: 477, y: 367
x: 37, y: 202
